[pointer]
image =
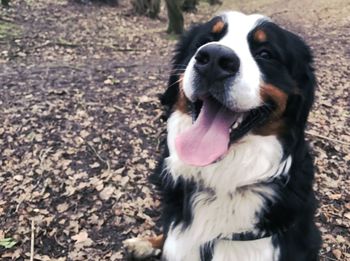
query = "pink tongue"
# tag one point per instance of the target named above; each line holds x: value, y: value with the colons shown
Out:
x: 209, y: 137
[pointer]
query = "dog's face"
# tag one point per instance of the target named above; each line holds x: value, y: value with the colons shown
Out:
x: 235, y: 75
x: 226, y: 68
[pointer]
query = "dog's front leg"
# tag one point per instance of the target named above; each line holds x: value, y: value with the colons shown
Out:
x: 141, y: 248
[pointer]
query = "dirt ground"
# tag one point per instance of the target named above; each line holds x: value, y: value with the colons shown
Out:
x: 81, y: 124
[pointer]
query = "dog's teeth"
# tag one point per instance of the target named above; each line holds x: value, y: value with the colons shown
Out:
x: 235, y: 125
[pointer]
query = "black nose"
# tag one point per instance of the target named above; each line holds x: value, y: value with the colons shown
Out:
x: 216, y: 62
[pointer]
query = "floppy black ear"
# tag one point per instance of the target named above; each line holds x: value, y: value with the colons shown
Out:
x: 185, y: 49
x: 187, y: 46
x: 302, y: 71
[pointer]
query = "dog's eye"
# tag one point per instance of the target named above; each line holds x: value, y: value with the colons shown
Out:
x: 264, y: 54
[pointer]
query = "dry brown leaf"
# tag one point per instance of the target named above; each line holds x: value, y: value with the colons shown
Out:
x: 82, y: 239
x: 62, y: 207
x: 107, y: 192
x: 347, y: 215
x: 337, y: 253
x: 335, y: 196
x: 116, y: 256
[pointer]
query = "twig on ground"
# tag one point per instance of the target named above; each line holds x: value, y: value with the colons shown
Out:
x: 18, y: 205
x: 73, y: 45
x: 99, y: 156
x: 158, y: 116
x: 118, y: 49
x: 32, y: 242
x: 327, y: 138
x: 278, y: 13
x: 6, y: 20
x: 63, y: 44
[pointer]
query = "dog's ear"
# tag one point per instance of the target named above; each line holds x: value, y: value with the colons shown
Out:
x: 186, y: 48
x: 301, y: 69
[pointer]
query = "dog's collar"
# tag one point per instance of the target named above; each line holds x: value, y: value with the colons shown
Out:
x: 245, y: 236
x: 280, y: 181
x: 252, y: 235
x: 207, y: 249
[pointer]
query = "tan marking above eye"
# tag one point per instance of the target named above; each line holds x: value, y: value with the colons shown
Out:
x: 260, y: 36
x: 218, y: 27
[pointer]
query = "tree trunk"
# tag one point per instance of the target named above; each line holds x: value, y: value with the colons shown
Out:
x: 5, y: 3
x: 189, y: 5
x: 150, y: 8
x: 176, y: 20
x: 215, y: 2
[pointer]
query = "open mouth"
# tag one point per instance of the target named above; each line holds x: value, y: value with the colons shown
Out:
x: 214, y: 129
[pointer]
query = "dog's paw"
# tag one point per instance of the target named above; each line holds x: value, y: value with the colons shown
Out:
x: 140, y: 248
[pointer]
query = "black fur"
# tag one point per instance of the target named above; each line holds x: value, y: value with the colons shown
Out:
x: 207, y: 251
x: 289, y: 67
x: 175, y: 197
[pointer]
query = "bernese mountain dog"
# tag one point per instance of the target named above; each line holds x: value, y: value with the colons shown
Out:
x: 236, y: 177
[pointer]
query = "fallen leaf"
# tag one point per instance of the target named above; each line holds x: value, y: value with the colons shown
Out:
x: 82, y: 239
x: 337, y: 253
x: 62, y: 207
x: 347, y: 215
x: 107, y: 192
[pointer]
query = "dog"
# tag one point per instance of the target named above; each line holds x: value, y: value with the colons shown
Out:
x: 236, y: 177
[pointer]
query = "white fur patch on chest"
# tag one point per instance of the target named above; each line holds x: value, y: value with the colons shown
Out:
x: 230, y: 201
x: 255, y: 250
x: 220, y: 216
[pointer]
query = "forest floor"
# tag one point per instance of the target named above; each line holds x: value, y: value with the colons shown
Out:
x: 81, y: 124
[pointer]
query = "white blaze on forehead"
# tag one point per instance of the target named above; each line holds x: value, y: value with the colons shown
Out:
x: 239, y: 27
x: 245, y: 91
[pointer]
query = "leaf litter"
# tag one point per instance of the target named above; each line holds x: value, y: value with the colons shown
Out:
x: 82, y: 126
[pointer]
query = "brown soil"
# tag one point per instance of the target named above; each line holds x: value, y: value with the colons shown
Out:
x: 82, y: 125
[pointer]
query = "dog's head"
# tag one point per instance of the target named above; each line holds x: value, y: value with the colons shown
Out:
x: 238, y: 74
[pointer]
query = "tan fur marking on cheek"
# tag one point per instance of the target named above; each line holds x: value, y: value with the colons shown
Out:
x: 218, y: 27
x: 271, y: 128
x: 260, y: 36
x: 182, y: 101
x: 278, y: 96
x: 275, y: 124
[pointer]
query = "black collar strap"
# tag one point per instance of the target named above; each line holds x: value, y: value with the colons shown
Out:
x: 245, y: 236
x: 207, y: 249
x: 251, y: 235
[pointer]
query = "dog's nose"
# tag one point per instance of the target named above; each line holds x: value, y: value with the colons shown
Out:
x: 216, y: 62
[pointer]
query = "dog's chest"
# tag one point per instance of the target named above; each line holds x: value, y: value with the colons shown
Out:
x: 230, y: 196
x: 215, y: 216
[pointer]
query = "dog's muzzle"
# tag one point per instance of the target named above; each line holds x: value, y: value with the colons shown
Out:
x: 214, y: 64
